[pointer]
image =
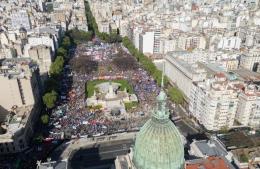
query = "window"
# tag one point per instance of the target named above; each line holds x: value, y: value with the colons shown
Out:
x: 231, y: 104
x: 229, y: 42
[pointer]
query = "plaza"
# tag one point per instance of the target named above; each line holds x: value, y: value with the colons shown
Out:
x: 119, y: 102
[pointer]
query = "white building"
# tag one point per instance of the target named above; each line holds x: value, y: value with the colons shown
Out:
x: 20, y: 19
x: 167, y: 45
x: 183, y: 74
x: 47, y: 40
x: 146, y: 42
x: 248, y: 112
x: 229, y: 43
x: 156, y: 45
x: 250, y: 62
x: 214, y: 103
x: 136, y: 36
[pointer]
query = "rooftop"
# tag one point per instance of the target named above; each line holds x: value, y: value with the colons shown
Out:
x: 53, y: 165
x: 211, y: 148
x: 208, y: 163
x: 15, y: 122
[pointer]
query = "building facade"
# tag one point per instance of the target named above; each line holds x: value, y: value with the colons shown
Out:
x: 20, y: 99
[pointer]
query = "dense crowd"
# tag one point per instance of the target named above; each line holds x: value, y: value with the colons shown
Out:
x: 72, y: 119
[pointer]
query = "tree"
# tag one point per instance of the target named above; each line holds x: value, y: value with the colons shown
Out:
x: 51, y: 84
x: 62, y: 52
x: 57, y: 66
x: 176, y: 95
x: 66, y: 42
x: 80, y: 36
x: 49, y: 99
x: 45, y: 119
x: 224, y: 130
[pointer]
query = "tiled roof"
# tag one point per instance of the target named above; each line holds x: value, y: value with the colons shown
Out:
x: 209, y: 163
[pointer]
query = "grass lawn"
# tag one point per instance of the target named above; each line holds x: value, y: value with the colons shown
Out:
x: 131, y: 105
x: 90, y: 86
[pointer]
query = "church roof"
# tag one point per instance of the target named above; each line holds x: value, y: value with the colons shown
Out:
x: 158, y: 144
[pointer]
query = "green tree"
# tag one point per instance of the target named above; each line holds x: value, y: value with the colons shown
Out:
x: 45, y: 119
x: 176, y: 95
x: 224, y: 130
x: 243, y: 158
x: 62, y: 52
x: 51, y: 84
x: 50, y: 98
x: 80, y: 36
x: 66, y: 42
x: 57, y: 66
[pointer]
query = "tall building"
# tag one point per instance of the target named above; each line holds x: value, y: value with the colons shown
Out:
x: 186, y: 73
x: 248, y: 112
x: 159, y: 145
x: 43, y: 56
x: 20, y: 104
x: 156, y: 45
x: 146, y: 42
x: 214, y: 103
x: 250, y: 62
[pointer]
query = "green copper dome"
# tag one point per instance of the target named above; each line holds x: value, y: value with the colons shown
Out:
x: 158, y: 145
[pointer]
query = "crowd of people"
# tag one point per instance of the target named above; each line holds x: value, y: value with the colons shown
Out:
x: 72, y: 118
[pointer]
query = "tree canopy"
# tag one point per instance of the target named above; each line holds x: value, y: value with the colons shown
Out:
x: 66, y: 42
x: 62, y: 52
x: 57, y: 66
x: 51, y: 84
x: 113, y: 37
x: 80, y: 36
x: 176, y: 95
x: 50, y: 98
x: 45, y: 119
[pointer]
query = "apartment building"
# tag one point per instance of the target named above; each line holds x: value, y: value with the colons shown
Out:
x: 156, y: 45
x: 250, y: 61
x: 20, y: 102
x: 146, y: 42
x: 214, y: 103
x: 20, y: 19
x: 42, y: 55
x: 248, y: 111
